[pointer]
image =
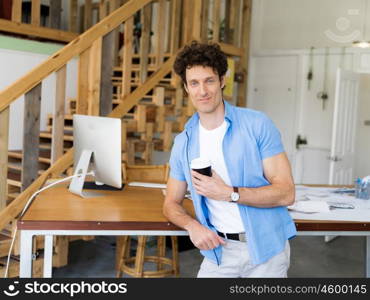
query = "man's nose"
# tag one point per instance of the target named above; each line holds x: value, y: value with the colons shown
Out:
x: 203, y: 89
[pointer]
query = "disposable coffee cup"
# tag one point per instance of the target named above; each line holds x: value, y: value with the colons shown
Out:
x: 202, y: 166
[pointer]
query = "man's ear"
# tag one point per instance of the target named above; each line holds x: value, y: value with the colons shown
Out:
x: 222, y: 82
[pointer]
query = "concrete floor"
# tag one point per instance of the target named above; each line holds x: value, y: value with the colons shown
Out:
x: 310, y: 257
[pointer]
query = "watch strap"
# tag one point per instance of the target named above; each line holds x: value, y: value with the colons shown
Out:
x: 236, y: 189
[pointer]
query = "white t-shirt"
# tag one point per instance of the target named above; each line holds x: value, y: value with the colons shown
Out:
x: 224, y: 215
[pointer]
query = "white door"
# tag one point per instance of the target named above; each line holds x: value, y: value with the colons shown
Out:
x: 273, y: 91
x: 344, y: 128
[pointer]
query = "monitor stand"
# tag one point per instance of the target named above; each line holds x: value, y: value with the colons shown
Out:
x: 77, y: 183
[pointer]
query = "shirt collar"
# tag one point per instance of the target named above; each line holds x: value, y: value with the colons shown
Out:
x: 229, y: 112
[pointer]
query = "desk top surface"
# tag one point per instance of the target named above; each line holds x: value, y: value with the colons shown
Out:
x: 133, y: 208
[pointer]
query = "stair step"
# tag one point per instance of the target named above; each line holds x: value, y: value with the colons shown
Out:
x: 67, y: 136
x: 44, y: 155
x: 18, y: 167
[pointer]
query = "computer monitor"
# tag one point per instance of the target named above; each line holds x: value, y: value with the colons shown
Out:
x: 97, y: 148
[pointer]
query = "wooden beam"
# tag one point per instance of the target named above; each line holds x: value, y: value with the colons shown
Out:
x: 73, y: 13
x: 140, y: 116
x: 216, y: 21
x: 17, y: 11
x: 42, y: 32
x: 87, y: 14
x: 127, y: 57
x: 31, y: 136
x: 161, y: 26
x: 55, y: 13
x: 94, y: 76
x: 146, y: 19
x: 35, y: 12
x: 196, y: 16
x: 175, y: 26
x: 57, y: 143
x: 60, y: 58
x: 103, y: 9
x: 204, y: 23
x: 232, y: 50
x: 237, y: 22
x: 158, y: 96
x: 4, y: 138
x: 167, y: 136
x: 227, y: 30
x: 83, y: 83
x: 106, y: 86
x: 246, y: 25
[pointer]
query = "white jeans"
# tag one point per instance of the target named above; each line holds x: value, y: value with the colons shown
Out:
x: 236, y: 262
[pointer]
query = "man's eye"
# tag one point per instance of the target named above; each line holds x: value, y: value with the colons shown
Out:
x: 210, y: 80
x: 193, y: 83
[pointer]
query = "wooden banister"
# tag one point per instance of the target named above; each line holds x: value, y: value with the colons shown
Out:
x: 60, y: 58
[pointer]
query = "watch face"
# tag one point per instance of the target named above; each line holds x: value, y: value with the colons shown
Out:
x: 234, y: 196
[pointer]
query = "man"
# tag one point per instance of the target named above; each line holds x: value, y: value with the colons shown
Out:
x: 243, y: 225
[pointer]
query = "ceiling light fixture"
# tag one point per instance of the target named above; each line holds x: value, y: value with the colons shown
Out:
x: 363, y: 43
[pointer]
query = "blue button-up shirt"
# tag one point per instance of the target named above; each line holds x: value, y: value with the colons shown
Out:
x: 250, y: 137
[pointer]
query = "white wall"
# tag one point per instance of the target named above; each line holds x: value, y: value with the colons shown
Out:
x: 297, y: 24
x: 291, y: 27
x: 15, y: 64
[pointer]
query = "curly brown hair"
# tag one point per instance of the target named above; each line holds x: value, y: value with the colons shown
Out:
x: 197, y: 54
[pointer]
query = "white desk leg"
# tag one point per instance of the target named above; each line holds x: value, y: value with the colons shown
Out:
x: 48, y: 256
x: 367, y: 257
x: 25, y: 265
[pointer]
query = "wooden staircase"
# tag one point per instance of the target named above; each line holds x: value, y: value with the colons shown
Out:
x: 142, y: 91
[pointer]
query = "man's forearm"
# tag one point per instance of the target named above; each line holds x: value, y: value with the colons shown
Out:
x: 268, y: 196
x: 178, y: 215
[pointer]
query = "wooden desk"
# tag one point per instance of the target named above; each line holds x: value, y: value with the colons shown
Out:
x: 132, y: 211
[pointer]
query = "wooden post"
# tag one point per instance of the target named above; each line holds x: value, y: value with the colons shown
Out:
x: 204, y: 24
x: 197, y: 12
x: 35, y: 12
x: 31, y: 136
x: 87, y: 15
x: 158, y: 96
x: 175, y: 26
x: 216, y: 21
x: 160, y: 118
x: 160, y: 32
x: 4, y: 138
x: 140, y: 116
x: 167, y: 136
x: 94, y: 75
x: 179, y: 96
x: 227, y: 29
x: 246, y: 25
x: 55, y: 13
x: 146, y: 18
x: 237, y: 22
x: 113, y: 5
x: 17, y: 11
x: 82, y: 85
x: 72, y: 18
x: 106, y: 86
x: 124, y: 136
x: 57, y: 143
x: 103, y: 9
x: 127, y: 57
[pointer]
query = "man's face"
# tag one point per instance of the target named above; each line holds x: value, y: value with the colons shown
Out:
x: 204, y: 88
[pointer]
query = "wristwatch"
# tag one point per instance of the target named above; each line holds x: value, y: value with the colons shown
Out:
x: 235, y: 194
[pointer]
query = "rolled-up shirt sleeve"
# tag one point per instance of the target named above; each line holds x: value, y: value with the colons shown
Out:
x: 176, y: 167
x: 269, y: 139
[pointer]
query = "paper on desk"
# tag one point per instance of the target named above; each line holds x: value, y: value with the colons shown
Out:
x: 312, y: 206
